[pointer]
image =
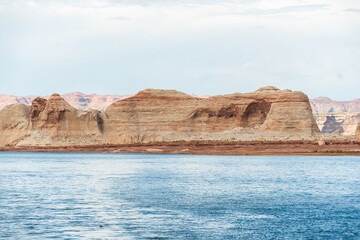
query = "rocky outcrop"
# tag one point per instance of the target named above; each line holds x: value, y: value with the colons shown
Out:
x: 168, y: 115
x: 357, y: 134
x: 162, y: 115
x: 60, y: 118
x: 14, y: 120
x: 49, y: 122
x: 338, y: 123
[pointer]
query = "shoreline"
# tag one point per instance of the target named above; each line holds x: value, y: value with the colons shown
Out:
x: 305, y: 148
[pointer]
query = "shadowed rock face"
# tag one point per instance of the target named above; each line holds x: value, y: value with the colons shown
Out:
x: 338, y: 123
x: 331, y: 125
x: 162, y: 115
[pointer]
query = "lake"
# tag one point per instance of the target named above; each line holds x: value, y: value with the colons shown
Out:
x: 151, y: 196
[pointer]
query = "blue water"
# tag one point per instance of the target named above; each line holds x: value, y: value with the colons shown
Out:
x: 143, y: 196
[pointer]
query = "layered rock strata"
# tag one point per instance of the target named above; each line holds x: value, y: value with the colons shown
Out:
x: 357, y: 134
x: 336, y: 119
x: 338, y: 123
x: 167, y: 115
x: 48, y: 122
x: 162, y: 115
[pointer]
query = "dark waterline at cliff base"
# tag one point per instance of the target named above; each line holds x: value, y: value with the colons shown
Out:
x: 306, y: 148
x: 151, y: 196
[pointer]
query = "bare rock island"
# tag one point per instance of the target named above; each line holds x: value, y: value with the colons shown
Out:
x: 161, y: 116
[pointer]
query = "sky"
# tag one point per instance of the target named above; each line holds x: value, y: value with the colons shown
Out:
x: 203, y: 47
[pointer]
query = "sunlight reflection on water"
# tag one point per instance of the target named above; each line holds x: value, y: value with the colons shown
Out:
x: 144, y: 196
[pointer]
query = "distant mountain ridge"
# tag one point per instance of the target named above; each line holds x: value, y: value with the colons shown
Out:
x: 326, y: 105
x: 82, y: 101
x: 78, y: 100
x: 336, y: 117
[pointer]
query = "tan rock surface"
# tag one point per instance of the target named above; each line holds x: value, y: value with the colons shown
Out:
x: 14, y: 120
x: 162, y: 115
x: 60, y: 118
x: 338, y: 123
x: 357, y: 134
x: 49, y: 122
x: 175, y: 116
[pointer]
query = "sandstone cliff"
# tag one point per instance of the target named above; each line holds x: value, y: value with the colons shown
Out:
x: 48, y: 122
x: 357, y: 134
x: 336, y: 117
x: 162, y: 115
x: 343, y: 123
x: 168, y: 115
x: 14, y: 120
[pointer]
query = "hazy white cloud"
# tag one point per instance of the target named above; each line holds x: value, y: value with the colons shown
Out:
x: 353, y: 10
x: 206, y: 47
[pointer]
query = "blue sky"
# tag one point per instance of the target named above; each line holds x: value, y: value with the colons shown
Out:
x: 202, y: 47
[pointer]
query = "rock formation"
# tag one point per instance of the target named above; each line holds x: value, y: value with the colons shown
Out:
x: 59, y: 118
x: 48, y: 122
x: 168, y: 115
x: 161, y: 115
x: 338, y: 123
x: 334, y: 118
x: 14, y: 120
x: 357, y: 134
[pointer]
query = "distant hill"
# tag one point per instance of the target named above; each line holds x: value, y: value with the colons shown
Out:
x: 336, y: 117
x: 101, y: 102
x: 326, y: 105
x: 76, y: 99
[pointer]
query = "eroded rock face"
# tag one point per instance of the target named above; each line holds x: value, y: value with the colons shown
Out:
x: 14, y: 120
x: 163, y: 115
x: 357, y: 134
x: 173, y: 115
x: 338, y: 123
x: 61, y: 119
x: 49, y: 122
